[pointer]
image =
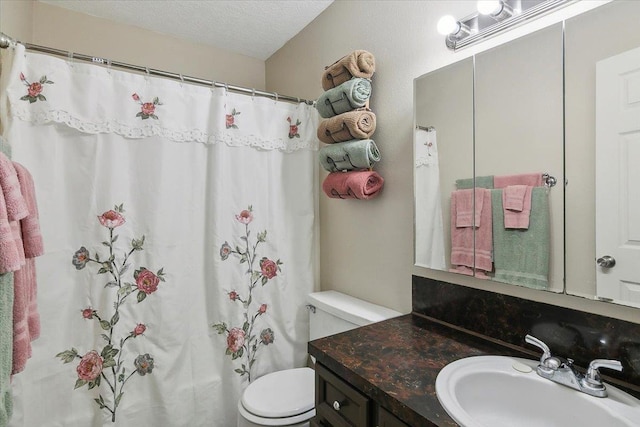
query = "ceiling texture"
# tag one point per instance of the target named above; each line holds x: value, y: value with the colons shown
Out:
x: 255, y: 28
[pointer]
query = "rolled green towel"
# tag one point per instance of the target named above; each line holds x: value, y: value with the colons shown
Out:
x: 348, y: 96
x: 349, y: 155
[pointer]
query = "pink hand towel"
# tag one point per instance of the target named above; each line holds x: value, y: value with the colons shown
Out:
x: 353, y: 185
x: 463, y: 252
x: 531, y: 179
x: 33, y: 247
x: 10, y: 259
x: 512, y: 217
x: 16, y: 204
x: 513, y: 197
x: 464, y: 208
x: 16, y: 232
x: 22, y: 282
x: 31, y: 235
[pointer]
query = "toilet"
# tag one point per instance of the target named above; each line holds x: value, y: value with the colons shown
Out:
x: 287, y: 398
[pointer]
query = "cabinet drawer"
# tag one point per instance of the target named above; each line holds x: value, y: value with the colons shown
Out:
x: 338, y: 402
x: 387, y: 419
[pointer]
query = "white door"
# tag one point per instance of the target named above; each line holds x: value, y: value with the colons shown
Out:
x: 618, y: 177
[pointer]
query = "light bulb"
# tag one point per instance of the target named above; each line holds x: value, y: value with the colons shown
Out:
x: 489, y: 7
x: 447, y: 25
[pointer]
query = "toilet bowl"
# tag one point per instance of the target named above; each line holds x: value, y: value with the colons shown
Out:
x: 283, y: 398
x: 287, y: 398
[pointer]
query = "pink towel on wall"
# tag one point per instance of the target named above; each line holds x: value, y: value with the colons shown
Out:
x: 9, y: 255
x: 531, y: 179
x: 464, y: 208
x: 30, y: 225
x: 26, y: 320
x: 516, y: 202
x: 15, y: 202
x: 513, y: 197
x: 22, y: 280
x: 462, y: 238
x: 353, y: 185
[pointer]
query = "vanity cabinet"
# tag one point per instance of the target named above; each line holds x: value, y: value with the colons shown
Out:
x: 338, y: 404
x: 386, y: 419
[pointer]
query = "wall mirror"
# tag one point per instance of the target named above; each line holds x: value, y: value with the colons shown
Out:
x: 496, y: 117
x: 517, y: 126
x: 602, y: 66
x: 443, y: 152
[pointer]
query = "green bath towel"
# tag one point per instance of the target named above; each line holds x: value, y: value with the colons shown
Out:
x: 481, y: 182
x: 6, y: 346
x: 348, y: 96
x: 521, y: 256
x: 349, y: 155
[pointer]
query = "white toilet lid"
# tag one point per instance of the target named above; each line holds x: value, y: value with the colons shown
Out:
x: 281, y: 394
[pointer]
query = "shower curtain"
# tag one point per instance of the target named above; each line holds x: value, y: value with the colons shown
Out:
x: 178, y: 224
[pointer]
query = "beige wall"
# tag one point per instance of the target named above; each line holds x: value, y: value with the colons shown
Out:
x: 367, y: 246
x: 67, y: 30
x: 16, y: 19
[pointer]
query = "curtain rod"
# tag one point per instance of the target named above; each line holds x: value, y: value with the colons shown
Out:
x: 6, y: 41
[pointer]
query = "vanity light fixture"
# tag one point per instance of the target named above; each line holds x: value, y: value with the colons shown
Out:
x: 493, y: 17
x: 497, y: 9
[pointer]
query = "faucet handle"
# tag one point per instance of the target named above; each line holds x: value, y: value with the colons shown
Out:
x: 591, y: 382
x: 593, y: 374
x: 546, y: 352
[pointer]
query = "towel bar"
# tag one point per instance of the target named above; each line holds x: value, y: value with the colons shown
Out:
x: 549, y: 181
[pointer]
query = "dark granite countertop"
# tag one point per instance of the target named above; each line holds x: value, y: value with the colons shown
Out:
x: 395, y: 363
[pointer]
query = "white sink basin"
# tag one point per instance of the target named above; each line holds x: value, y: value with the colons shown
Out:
x: 499, y: 391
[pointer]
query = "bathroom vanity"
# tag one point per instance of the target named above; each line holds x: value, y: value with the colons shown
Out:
x: 384, y: 374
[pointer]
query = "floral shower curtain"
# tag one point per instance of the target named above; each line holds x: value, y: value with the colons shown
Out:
x: 178, y: 223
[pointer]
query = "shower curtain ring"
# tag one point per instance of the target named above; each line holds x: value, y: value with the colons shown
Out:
x: 181, y: 80
x: 276, y: 96
x: 226, y: 89
x: 70, y: 58
x: 253, y: 93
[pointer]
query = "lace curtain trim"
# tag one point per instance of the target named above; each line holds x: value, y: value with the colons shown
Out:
x: 153, y: 129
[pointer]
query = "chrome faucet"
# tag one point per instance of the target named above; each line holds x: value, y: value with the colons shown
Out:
x: 562, y: 371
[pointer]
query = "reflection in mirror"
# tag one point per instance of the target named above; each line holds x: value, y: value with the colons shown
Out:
x: 518, y: 138
x: 443, y: 152
x: 602, y: 135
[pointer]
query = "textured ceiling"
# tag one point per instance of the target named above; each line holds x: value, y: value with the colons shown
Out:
x: 256, y: 28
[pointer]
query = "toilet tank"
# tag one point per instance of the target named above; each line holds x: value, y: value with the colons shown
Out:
x: 334, y: 312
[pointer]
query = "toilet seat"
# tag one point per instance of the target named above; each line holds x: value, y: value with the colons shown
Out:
x: 280, y: 398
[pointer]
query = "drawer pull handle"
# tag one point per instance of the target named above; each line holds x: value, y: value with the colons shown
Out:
x: 336, y: 405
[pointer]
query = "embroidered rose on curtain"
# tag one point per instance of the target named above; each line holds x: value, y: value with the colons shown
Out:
x: 109, y: 365
x: 243, y: 342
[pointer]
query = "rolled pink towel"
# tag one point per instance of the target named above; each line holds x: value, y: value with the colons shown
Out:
x: 353, y: 185
x: 358, y: 63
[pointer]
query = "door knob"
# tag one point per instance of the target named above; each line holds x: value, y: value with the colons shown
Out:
x: 606, y: 261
